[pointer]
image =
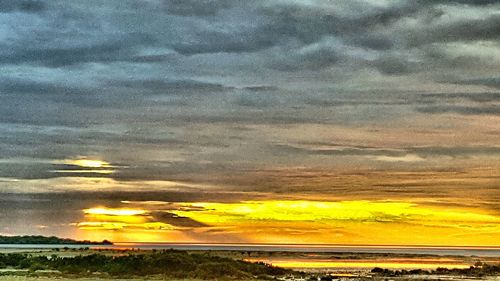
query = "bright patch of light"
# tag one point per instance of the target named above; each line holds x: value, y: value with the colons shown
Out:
x: 315, y: 211
x: 305, y: 263
x: 88, y: 163
x: 114, y: 212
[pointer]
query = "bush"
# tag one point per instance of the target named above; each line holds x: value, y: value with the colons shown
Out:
x: 214, y: 270
x: 168, y: 263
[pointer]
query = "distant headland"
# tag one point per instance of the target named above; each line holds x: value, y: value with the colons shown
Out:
x: 44, y: 240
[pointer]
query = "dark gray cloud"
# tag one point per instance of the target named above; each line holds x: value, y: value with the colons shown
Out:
x: 222, y: 42
x: 64, y: 36
x: 374, y: 41
x: 242, y: 27
x: 493, y: 82
x: 465, y: 110
x: 466, y: 2
x: 197, y: 8
x: 329, y: 149
x: 261, y: 88
x: 24, y: 171
x: 28, y: 6
x: 175, y: 220
x: 172, y: 87
x: 461, y: 30
x: 308, y: 24
x: 333, y: 150
x: 456, y: 151
x: 172, y: 80
x: 392, y: 65
x: 475, y: 97
x: 26, y: 86
x: 56, y: 56
x: 277, y: 24
x: 314, y: 58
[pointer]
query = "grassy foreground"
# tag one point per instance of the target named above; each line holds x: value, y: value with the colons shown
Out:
x: 168, y: 264
x: 59, y: 278
x: 73, y: 278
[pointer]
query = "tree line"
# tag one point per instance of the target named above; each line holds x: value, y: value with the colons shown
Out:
x: 52, y: 240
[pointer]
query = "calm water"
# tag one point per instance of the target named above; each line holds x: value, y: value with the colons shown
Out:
x: 466, y: 251
x: 486, y: 252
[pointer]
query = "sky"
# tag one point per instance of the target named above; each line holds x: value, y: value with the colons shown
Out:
x: 277, y: 121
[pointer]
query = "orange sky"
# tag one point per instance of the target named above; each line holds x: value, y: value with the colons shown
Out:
x: 292, y: 221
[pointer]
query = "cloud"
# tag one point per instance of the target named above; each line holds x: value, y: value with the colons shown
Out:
x: 493, y: 82
x: 196, y: 8
x: 278, y: 24
x: 213, y: 41
x: 196, y: 89
x: 463, y: 110
x: 10, y: 85
x: 475, y: 97
x: 257, y: 97
x: 64, y: 36
x: 56, y: 56
x: 27, y: 6
x: 315, y: 56
x: 458, y: 30
x: 175, y: 220
x: 406, y: 158
x: 466, y: 2
x: 456, y: 151
x: 172, y: 87
x: 339, y: 150
x: 388, y: 154
x: 392, y: 65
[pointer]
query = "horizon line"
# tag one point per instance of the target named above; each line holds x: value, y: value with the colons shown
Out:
x: 312, y: 245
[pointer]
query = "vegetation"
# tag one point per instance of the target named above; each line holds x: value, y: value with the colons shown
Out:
x: 47, y: 240
x: 169, y: 263
x: 478, y: 270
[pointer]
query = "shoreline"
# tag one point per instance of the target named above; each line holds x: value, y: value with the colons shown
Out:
x: 439, y: 251
x: 347, y: 260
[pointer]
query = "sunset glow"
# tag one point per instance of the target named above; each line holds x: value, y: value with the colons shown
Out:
x: 114, y: 212
x: 357, y: 264
x: 280, y: 221
x: 88, y: 163
x: 363, y: 211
